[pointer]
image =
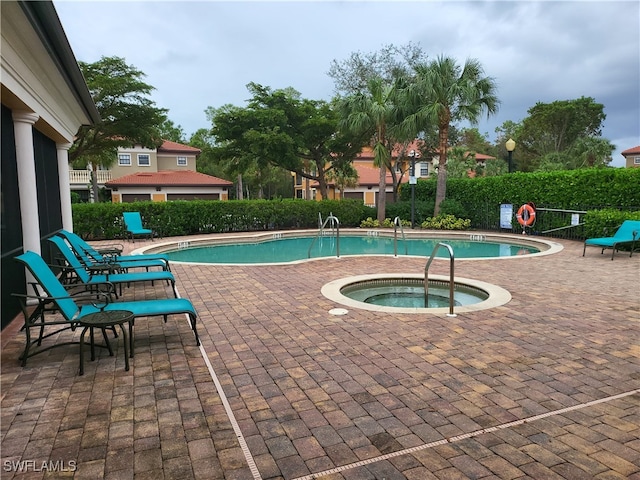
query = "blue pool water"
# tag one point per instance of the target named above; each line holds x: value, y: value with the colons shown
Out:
x: 284, y: 250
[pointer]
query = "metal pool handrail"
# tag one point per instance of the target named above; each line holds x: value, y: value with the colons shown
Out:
x: 335, y: 224
x: 451, y: 281
x: 397, y: 222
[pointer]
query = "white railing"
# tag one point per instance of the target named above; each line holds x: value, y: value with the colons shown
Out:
x: 82, y: 177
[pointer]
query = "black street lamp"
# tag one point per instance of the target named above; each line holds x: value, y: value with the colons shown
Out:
x: 412, y: 181
x: 511, y: 146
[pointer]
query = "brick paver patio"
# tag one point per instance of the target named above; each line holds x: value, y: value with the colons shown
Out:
x: 546, y: 386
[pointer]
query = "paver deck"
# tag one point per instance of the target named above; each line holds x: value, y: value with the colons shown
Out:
x: 546, y: 386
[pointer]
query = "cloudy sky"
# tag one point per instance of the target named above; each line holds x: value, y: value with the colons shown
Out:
x: 202, y: 54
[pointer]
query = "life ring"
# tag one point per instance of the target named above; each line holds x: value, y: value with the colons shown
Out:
x: 526, y: 215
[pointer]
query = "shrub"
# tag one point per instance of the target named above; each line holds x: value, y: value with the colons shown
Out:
x: 446, y: 222
x: 369, y: 222
x: 177, y: 218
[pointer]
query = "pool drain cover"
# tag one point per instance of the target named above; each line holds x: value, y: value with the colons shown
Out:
x: 338, y: 311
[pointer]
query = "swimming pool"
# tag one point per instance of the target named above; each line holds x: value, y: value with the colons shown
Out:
x: 279, y: 248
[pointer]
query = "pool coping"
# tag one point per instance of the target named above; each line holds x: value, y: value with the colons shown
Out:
x: 252, y: 237
x: 498, y: 296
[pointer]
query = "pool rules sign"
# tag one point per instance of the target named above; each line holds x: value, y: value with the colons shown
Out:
x: 506, y: 215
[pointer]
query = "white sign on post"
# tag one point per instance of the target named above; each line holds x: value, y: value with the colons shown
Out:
x: 575, y: 219
x: 506, y: 214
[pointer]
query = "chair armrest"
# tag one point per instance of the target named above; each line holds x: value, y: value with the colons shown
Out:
x: 89, y: 297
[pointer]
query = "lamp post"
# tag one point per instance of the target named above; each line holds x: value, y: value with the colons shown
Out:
x: 412, y: 182
x: 511, y: 145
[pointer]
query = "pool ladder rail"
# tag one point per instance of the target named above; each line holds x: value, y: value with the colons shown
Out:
x: 451, y: 276
x: 398, y: 223
x: 334, y: 223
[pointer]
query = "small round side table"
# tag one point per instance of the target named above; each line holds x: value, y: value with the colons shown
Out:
x: 104, y: 319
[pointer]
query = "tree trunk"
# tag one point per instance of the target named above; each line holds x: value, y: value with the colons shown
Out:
x: 239, y: 189
x: 93, y: 179
x: 382, y: 194
x: 441, y: 186
x: 322, y: 182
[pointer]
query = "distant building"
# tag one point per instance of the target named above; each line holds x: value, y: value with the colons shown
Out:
x: 632, y: 157
x: 163, y: 174
x: 369, y: 176
x: 158, y: 175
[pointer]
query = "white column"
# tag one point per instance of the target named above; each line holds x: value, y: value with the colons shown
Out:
x: 23, y: 130
x: 65, y: 188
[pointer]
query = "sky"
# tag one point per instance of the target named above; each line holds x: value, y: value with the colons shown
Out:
x: 200, y: 54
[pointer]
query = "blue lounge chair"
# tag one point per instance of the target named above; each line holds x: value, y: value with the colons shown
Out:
x: 72, y: 312
x: 627, y: 234
x: 85, y: 275
x: 133, y: 225
x: 88, y: 255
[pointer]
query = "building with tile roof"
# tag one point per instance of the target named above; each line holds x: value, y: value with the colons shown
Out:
x: 159, y: 175
x: 369, y: 176
x: 168, y: 185
x: 632, y: 157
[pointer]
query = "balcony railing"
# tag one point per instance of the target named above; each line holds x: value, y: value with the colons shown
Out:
x: 81, y: 177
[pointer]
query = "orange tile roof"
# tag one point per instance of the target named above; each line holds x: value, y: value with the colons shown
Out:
x: 482, y: 156
x: 174, y: 147
x: 631, y: 151
x: 367, y: 152
x: 169, y: 178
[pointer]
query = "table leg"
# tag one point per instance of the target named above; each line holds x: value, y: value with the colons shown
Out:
x: 84, y: 331
x: 126, y: 347
x: 106, y: 340
x: 93, y: 350
x: 131, y: 338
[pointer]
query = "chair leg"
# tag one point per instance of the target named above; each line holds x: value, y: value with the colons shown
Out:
x: 193, y: 327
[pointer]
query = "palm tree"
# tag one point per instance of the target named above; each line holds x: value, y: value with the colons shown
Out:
x: 374, y: 113
x: 442, y: 92
x: 345, y: 177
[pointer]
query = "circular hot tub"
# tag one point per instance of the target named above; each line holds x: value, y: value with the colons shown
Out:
x: 404, y: 293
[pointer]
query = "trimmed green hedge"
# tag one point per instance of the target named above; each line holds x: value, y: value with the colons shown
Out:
x: 477, y: 199
x: 571, y: 189
x: 104, y: 220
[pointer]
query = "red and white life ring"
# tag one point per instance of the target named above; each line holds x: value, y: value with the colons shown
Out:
x: 526, y: 215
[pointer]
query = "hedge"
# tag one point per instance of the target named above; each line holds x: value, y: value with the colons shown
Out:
x: 616, y: 189
x: 104, y: 220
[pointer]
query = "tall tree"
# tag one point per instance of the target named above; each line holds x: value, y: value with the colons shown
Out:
x: 474, y: 141
x: 172, y: 132
x: 128, y: 116
x: 373, y: 114
x: 442, y: 92
x: 590, y: 152
x: 281, y: 129
x: 554, y: 127
x: 391, y: 62
x: 346, y: 177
